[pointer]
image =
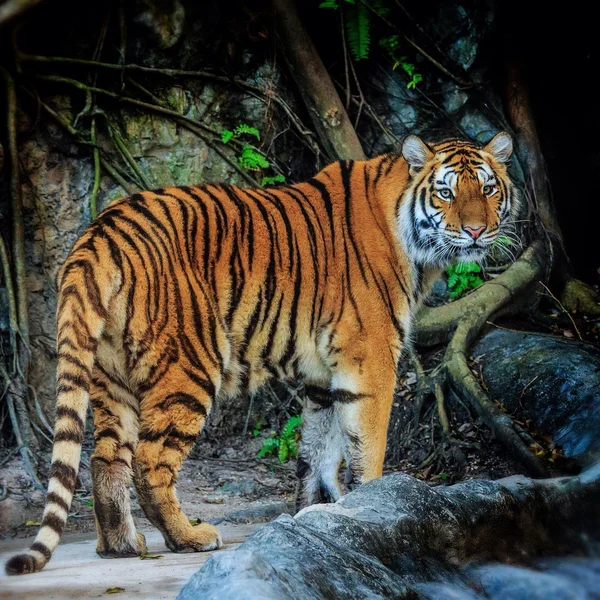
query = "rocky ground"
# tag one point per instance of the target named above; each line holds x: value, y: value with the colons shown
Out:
x: 220, y: 482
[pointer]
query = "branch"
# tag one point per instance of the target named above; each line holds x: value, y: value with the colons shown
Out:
x: 435, y: 326
x: 256, y: 91
x: 314, y: 84
x: 18, y: 235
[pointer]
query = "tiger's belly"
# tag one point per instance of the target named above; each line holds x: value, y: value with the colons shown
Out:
x: 252, y: 372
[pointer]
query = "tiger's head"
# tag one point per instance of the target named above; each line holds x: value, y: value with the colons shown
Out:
x: 459, y: 198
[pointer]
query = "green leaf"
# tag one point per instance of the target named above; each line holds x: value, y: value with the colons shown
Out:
x: 289, y: 429
x: 150, y: 556
x: 293, y: 448
x: 329, y: 4
x: 226, y: 136
x: 284, y: 450
x: 272, y: 180
x: 244, y: 129
x: 358, y: 28
x: 390, y: 43
x: 467, y: 267
x: 251, y: 160
x: 114, y: 590
x: 379, y: 6
x: 269, y: 447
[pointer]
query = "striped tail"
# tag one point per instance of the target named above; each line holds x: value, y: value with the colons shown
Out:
x: 81, y: 319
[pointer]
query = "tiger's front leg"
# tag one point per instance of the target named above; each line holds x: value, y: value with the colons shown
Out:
x: 347, y: 420
x: 363, y: 388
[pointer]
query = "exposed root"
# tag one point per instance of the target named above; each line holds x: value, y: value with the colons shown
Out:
x: 579, y: 297
x: 499, y: 293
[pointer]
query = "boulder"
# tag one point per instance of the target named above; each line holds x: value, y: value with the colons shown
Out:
x: 553, y: 381
x: 396, y: 537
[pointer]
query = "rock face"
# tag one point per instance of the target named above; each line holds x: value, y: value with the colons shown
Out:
x: 396, y: 537
x: 554, y: 381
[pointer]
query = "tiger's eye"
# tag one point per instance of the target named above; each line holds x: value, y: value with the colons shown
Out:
x: 445, y: 193
x: 487, y: 190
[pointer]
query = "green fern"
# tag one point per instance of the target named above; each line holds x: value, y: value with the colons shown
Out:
x: 246, y: 129
x: 358, y: 29
x: 268, y: 180
x: 391, y: 45
x: 284, y: 445
x: 250, y: 160
x: 462, y: 277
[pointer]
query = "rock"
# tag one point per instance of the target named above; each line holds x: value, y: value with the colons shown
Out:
x: 164, y: 20
x: 392, y: 535
x: 241, y: 487
x: 504, y: 582
x: 445, y: 591
x: 585, y: 571
x: 554, y: 381
x: 257, y: 514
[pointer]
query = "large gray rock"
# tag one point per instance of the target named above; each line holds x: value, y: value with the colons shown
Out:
x: 554, y: 381
x: 396, y: 537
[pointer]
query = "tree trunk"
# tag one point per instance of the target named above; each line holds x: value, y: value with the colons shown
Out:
x: 336, y: 133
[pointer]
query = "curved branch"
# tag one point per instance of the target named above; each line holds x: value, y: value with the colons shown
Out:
x: 435, y: 326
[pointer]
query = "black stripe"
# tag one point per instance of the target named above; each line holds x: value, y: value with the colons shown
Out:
x: 66, y: 474
x: 54, y: 522
x: 56, y: 499
x: 42, y: 549
x: 109, y: 432
x: 326, y: 197
x: 69, y: 436
x: 187, y: 400
x: 71, y: 413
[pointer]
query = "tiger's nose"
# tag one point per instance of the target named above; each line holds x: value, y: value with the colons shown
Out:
x: 474, y: 232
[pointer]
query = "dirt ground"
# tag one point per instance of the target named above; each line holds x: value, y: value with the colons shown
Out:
x: 228, y: 485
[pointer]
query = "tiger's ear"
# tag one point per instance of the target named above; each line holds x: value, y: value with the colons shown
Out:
x: 416, y: 152
x: 500, y: 147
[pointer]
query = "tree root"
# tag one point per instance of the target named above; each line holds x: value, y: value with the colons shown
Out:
x: 579, y: 297
x: 499, y: 293
x: 434, y: 326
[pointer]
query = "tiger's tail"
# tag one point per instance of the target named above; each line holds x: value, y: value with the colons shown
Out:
x: 81, y: 316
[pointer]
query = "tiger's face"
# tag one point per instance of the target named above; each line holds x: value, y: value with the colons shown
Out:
x: 459, y: 199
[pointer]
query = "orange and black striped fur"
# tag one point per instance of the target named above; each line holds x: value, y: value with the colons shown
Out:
x: 176, y: 297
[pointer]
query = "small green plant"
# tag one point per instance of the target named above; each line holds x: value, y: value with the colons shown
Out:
x: 284, y: 445
x: 391, y: 45
x: 357, y: 17
x: 257, y: 428
x: 462, y: 277
x: 272, y: 180
x: 249, y: 158
x: 357, y: 21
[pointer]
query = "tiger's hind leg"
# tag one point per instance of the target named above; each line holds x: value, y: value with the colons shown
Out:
x: 173, y: 413
x: 321, y: 453
x: 116, y: 425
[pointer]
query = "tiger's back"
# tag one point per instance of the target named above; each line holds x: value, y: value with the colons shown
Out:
x: 175, y: 297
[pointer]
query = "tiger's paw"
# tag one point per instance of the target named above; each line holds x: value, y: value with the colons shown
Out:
x: 127, y: 550
x: 201, y: 538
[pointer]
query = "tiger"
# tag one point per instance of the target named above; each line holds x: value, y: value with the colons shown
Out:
x: 175, y: 298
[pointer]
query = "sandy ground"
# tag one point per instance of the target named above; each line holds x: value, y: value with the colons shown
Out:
x: 77, y: 572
